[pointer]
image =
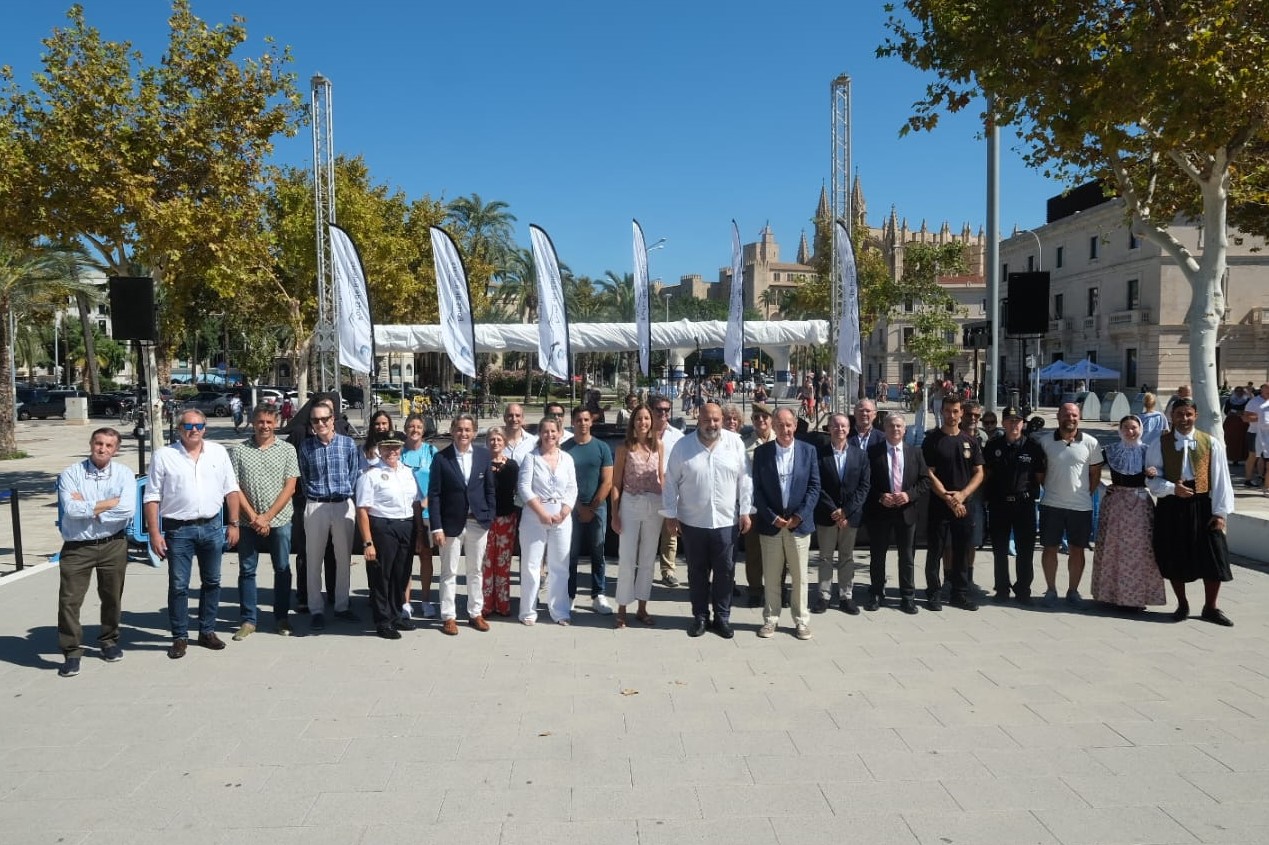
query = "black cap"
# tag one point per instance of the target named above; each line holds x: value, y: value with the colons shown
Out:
x: 1011, y: 411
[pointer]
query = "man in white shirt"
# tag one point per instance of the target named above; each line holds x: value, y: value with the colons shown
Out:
x: 190, y: 482
x: 1256, y: 413
x: 1073, y: 461
x: 1195, y: 496
x: 668, y: 548
x: 519, y: 442
x: 706, y: 495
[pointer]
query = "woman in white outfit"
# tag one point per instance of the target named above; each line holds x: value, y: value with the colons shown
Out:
x: 638, y: 471
x: 548, y: 487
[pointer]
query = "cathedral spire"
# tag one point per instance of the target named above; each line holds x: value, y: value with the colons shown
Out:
x: 823, y: 211
x: 804, y: 250
x: 857, y: 205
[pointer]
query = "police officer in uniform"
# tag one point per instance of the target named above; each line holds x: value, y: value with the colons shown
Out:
x: 1015, y: 470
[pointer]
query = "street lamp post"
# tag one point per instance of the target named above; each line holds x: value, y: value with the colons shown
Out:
x: 1034, y: 381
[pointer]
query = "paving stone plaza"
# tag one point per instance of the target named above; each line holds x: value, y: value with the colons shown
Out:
x: 1009, y: 726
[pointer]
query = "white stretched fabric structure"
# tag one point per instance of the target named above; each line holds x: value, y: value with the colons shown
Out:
x: 608, y: 337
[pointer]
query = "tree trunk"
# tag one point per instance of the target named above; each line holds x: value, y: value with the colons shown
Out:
x: 1207, y: 307
x: 8, y: 437
x: 91, y: 369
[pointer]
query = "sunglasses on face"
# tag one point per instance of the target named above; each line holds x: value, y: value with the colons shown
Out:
x: 661, y: 410
x: 194, y: 426
x: 317, y: 420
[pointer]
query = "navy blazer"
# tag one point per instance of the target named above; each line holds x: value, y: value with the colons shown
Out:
x: 875, y: 436
x: 805, y: 488
x: 848, y: 491
x: 450, y: 499
x: 916, y: 482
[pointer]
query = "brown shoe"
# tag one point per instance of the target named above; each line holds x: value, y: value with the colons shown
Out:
x: 479, y: 623
x: 177, y: 650
x: 450, y: 627
x: 211, y: 641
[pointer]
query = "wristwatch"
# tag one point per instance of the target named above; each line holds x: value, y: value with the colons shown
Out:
x: 367, y: 544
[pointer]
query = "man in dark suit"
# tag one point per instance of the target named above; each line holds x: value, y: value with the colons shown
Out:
x: 461, y: 506
x: 786, y: 479
x: 864, y: 433
x: 845, y: 479
x: 899, y: 480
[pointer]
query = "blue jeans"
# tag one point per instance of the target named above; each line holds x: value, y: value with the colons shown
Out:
x: 278, y: 542
x: 589, y: 537
x: 208, y: 542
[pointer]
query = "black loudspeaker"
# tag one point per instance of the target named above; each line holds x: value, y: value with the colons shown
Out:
x: 1028, y: 303
x: 132, y: 308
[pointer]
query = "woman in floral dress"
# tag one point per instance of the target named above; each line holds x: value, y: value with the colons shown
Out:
x: 502, y: 533
x: 1124, y: 568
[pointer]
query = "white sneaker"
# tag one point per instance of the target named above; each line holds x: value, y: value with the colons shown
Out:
x: 429, y: 610
x: 767, y: 630
x: 407, y: 612
x: 803, y: 632
x: 601, y: 605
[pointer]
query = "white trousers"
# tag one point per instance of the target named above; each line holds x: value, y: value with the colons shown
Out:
x: 470, y: 544
x: 554, y: 541
x: 333, y: 520
x: 637, y: 550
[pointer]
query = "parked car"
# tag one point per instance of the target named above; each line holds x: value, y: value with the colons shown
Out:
x: 353, y: 397
x: 41, y: 403
x: 211, y: 403
x: 108, y: 404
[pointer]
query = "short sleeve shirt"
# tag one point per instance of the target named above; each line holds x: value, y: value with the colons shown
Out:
x: 952, y: 457
x: 1259, y: 407
x: 261, y: 475
x: 1066, y: 470
x: 1012, y: 467
x: 589, y: 460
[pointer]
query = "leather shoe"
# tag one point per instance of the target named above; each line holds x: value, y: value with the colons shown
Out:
x: 934, y: 601
x: 211, y: 641
x: 177, y: 650
x: 698, y: 628
x: 479, y: 623
x: 964, y: 602
x: 849, y: 606
x: 388, y: 632
x: 873, y: 603
x: 1216, y: 616
x: 403, y: 623
x: 1181, y: 613
x: 723, y: 628
x: 908, y: 606
x: 450, y: 627
x: 818, y: 604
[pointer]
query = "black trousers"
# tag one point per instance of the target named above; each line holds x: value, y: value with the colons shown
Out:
x: 1018, y: 517
x: 711, y: 569
x: 389, y: 572
x: 942, y: 528
x: 881, y: 531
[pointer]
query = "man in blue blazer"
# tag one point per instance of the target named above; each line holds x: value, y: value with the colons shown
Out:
x: 844, y: 483
x: 900, y: 479
x: 461, y: 508
x: 864, y: 433
x: 786, y: 481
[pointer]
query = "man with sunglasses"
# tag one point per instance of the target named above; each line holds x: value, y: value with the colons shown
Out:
x: 191, y: 481
x: 668, y: 549
x: 329, y: 466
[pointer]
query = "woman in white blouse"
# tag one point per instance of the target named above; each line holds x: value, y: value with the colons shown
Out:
x: 388, y: 515
x: 548, y: 487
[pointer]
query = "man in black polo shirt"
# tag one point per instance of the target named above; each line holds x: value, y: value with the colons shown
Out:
x: 1015, y: 471
x: 956, y: 470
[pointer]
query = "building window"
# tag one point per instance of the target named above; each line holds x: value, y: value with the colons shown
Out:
x: 1057, y: 306
x: 908, y: 331
x: 1004, y: 272
x: 1060, y: 256
x: 1091, y: 355
x: 101, y: 309
x: 1092, y: 247
x: 1092, y: 302
x: 1134, y: 298
x: 101, y: 324
x: 1130, y: 366
x: 909, y: 305
x: 1133, y: 243
x: 951, y: 307
x: 775, y: 277
x: 949, y: 337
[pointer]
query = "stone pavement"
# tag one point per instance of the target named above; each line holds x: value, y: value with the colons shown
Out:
x: 1005, y: 726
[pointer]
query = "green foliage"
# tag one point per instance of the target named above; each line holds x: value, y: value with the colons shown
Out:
x: 934, y: 311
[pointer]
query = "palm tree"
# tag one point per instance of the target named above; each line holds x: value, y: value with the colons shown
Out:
x: 486, y: 228
x: 617, y: 294
x: 768, y: 298
x: 23, y: 267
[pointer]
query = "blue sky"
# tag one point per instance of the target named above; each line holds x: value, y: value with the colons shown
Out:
x: 582, y: 115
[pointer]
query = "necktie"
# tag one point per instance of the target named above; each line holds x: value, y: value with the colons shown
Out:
x: 896, y: 476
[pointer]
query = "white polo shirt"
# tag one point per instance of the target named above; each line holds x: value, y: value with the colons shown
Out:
x: 1066, y: 473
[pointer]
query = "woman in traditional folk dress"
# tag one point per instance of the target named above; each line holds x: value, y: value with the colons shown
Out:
x: 1124, y: 569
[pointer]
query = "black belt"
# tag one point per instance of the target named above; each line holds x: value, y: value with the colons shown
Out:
x: 173, y: 524
x: 391, y: 520
x: 327, y: 500
x: 100, y: 541
x: 1019, y: 497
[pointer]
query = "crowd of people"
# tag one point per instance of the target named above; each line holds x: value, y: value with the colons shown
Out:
x: 710, y: 492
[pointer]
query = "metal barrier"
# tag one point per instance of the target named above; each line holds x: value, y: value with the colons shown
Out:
x: 17, y: 528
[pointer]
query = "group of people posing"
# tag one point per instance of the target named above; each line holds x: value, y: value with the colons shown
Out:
x: 395, y: 497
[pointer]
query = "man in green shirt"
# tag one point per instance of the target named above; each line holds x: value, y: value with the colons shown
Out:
x: 267, y: 471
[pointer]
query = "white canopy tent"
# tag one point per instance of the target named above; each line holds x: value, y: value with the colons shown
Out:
x: 613, y: 337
